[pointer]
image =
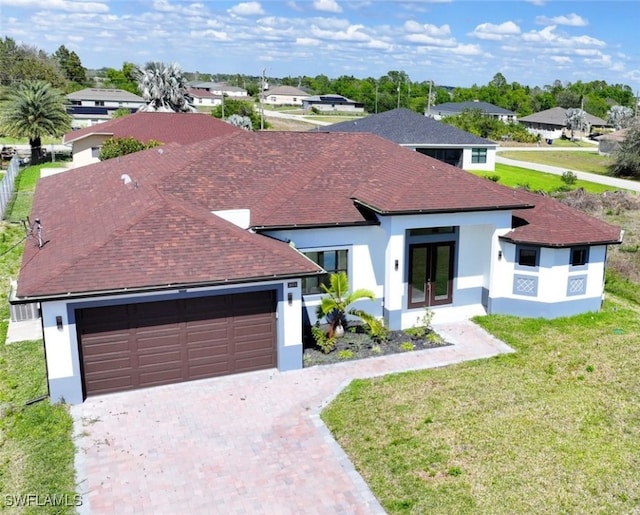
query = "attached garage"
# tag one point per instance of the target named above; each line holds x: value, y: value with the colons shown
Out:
x: 128, y: 346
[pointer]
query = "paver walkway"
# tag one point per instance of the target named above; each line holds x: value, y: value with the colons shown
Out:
x: 248, y: 444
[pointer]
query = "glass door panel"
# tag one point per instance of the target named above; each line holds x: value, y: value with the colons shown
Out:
x: 430, y: 274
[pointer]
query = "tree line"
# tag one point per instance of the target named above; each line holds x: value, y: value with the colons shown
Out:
x: 64, y: 70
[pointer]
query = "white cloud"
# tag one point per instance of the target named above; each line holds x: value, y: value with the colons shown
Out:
x: 246, y: 9
x: 308, y: 42
x: 425, y: 39
x: 60, y: 5
x: 548, y: 36
x: 378, y: 44
x: 466, y: 50
x: 327, y: 5
x: 560, y: 59
x: 430, y: 30
x: 164, y: 6
x: 352, y: 33
x: 573, y: 20
x: 214, y: 35
x: 494, y: 32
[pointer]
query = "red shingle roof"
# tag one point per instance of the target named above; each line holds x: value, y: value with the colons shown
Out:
x: 289, y: 179
x: 553, y: 224
x: 163, y: 127
x: 159, y: 231
x: 103, y: 235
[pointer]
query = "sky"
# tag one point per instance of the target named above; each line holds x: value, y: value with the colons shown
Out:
x: 450, y: 42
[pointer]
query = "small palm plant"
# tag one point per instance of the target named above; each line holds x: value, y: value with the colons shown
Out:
x: 335, y: 305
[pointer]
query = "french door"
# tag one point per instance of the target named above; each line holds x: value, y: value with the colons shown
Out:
x: 431, y: 274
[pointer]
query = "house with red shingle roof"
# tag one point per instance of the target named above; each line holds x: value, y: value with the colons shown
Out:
x: 190, y: 261
x: 163, y: 127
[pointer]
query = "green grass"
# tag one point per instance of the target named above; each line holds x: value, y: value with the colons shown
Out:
x: 36, y: 446
x: 514, y: 177
x: 46, y: 140
x: 553, y: 428
x: 561, y: 142
x: 590, y: 162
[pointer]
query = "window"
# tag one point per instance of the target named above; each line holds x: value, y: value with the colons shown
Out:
x: 579, y: 256
x: 528, y: 256
x: 332, y: 261
x: 95, y: 151
x: 478, y: 155
x: 99, y: 102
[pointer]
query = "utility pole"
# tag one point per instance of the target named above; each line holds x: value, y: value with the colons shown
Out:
x: 398, y: 95
x: 262, y: 100
x: 376, y: 97
x: 429, y: 99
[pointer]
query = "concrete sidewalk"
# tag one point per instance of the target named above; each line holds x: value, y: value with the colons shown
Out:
x: 23, y: 331
x: 249, y: 443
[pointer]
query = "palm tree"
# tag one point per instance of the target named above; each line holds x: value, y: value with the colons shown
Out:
x: 576, y: 121
x: 335, y: 305
x: 164, y: 88
x: 32, y: 110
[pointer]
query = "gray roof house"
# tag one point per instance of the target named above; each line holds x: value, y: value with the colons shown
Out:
x: 551, y: 123
x: 425, y: 135
x: 453, y: 108
x: 218, y: 89
x: 331, y: 102
x: 94, y: 105
x: 609, y: 143
x: 284, y: 95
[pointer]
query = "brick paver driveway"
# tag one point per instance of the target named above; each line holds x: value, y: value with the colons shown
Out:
x: 250, y: 443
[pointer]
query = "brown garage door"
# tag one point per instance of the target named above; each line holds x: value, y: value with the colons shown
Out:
x: 135, y: 345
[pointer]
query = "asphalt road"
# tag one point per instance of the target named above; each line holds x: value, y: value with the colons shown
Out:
x: 585, y: 176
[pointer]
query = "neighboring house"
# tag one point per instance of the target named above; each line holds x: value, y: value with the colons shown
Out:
x: 284, y: 95
x: 95, y: 105
x: 163, y: 127
x: 218, y: 89
x: 204, y: 98
x: 552, y: 123
x: 427, y: 136
x: 440, y: 111
x: 609, y: 143
x: 332, y: 103
x: 185, y: 262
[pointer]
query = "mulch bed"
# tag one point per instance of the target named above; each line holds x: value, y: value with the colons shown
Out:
x: 356, y: 344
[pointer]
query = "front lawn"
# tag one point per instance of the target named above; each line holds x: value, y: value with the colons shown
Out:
x: 591, y: 162
x: 515, y: 177
x: 36, y: 446
x: 552, y: 428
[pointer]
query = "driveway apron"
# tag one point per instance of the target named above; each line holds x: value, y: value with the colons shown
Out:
x: 249, y: 443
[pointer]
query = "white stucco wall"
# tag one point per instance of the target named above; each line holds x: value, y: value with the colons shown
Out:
x: 365, y: 246
x: 553, y: 273
x: 489, y: 166
x: 283, y: 99
x: 82, y: 149
x: 374, y: 250
x: 476, y: 249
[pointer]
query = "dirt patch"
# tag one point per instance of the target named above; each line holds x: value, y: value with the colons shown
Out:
x: 618, y: 208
